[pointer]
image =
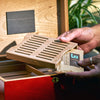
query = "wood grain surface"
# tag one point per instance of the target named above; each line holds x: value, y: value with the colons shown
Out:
x: 45, y: 14
x: 51, y: 19
x: 40, y: 51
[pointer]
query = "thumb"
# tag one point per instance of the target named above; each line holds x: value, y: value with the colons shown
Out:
x: 86, y: 74
x: 90, y: 61
x: 69, y: 37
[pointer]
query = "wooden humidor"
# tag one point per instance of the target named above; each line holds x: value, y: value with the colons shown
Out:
x: 47, y: 52
x: 50, y: 18
x: 17, y: 81
x: 21, y: 81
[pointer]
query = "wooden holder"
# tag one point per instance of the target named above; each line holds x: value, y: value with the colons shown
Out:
x: 43, y: 52
x: 20, y: 81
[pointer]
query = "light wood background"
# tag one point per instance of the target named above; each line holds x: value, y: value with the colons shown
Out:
x: 46, y: 17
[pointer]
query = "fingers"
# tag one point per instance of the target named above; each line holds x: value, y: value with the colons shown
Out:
x: 88, y: 68
x: 87, y: 47
x: 86, y: 74
x: 93, y: 72
x: 62, y: 35
x: 90, y: 61
x: 96, y: 60
x: 69, y: 36
x: 85, y: 62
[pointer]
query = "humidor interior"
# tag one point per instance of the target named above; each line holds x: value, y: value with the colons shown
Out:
x: 11, y: 69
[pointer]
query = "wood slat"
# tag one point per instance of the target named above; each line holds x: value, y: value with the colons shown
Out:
x: 34, y: 70
x: 49, y: 51
x: 16, y: 73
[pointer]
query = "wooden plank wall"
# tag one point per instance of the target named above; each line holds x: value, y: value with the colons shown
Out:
x: 64, y: 16
x: 46, y: 17
x: 45, y: 14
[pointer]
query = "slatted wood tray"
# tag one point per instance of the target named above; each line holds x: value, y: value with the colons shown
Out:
x: 40, y: 51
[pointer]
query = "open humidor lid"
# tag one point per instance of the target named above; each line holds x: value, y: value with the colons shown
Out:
x: 40, y: 51
x: 16, y: 20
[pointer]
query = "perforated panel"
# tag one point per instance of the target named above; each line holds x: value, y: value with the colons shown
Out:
x: 39, y: 50
x: 52, y: 50
x: 31, y: 45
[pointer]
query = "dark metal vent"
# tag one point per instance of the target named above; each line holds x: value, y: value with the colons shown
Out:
x: 20, y: 22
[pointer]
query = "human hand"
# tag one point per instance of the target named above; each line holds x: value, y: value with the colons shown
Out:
x: 85, y: 64
x: 87, y: 38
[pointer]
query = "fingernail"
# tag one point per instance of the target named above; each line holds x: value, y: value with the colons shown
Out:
x: 64, y: 39
x: 79, y: 48
x: 79, y: 62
